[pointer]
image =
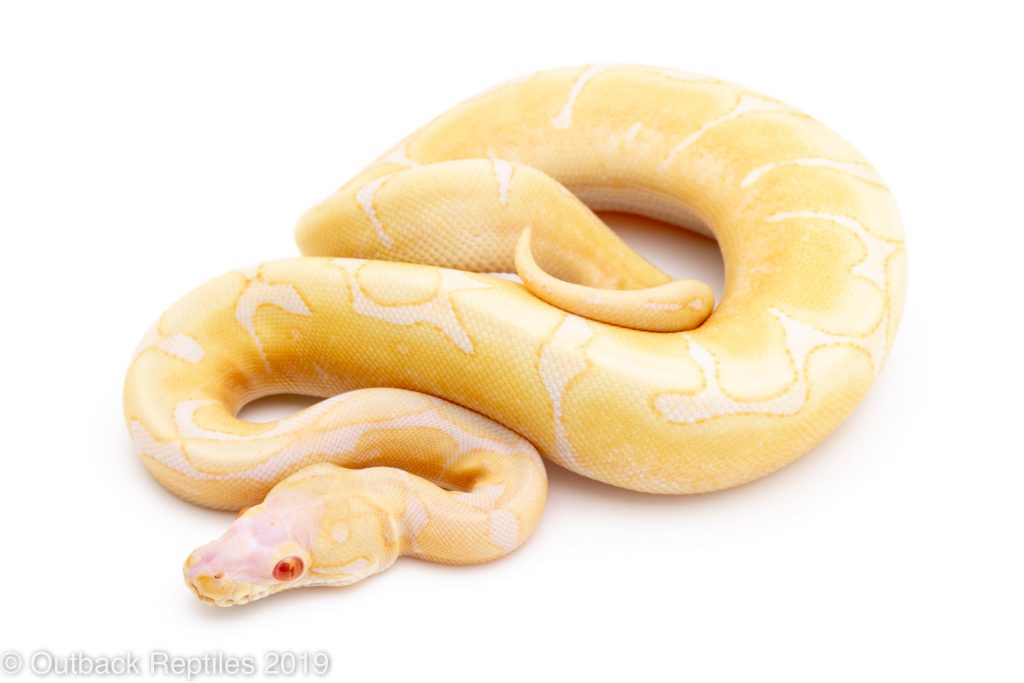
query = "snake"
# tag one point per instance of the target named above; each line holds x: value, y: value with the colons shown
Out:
x: 463, y: 312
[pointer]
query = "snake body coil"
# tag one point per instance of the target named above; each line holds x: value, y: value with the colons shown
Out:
x: 443, y: 379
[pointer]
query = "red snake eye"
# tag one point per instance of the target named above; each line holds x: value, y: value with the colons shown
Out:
x: 289, y: 568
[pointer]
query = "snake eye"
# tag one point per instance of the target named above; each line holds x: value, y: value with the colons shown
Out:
x: 289, y: 568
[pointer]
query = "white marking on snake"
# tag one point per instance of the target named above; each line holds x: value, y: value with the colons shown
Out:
x: 564, y: 118
x: 503, y: 172
x: 482, y: 498
x: 398, y: 156
x: 259, y: 293
x: 178, y: 345
x: 747, y: 104
x: 182, y: 346
x: 865, y: 173
x: 415, y: 517
x: 365, y: 198
x: 250, y: 272
x: 561, y: 361
x: 633, y: 131
x: 878, y: 250
x: 437, y: 312
x: 504, y: 529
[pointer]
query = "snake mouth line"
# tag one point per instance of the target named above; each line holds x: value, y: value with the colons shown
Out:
x: 229, y: 601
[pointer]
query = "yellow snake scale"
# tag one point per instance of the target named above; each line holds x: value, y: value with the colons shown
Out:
x: 445, y: 381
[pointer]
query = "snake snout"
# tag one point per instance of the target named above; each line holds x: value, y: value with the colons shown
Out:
x: 212, y: 584
x: 213, y: 587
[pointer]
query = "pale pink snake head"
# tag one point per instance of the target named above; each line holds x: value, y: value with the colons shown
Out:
x: 267, y: 549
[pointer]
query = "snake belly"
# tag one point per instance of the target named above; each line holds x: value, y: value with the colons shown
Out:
x: 444, y: 382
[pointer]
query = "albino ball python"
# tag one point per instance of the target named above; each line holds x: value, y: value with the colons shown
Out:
x: 447, y: 381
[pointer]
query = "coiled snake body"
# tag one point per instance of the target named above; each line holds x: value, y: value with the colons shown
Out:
x: 445, y: 382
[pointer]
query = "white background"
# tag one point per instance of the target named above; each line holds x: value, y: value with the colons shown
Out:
x: 147, y: 147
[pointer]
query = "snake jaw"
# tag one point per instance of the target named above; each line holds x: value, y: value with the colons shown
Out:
x: 226, y: 593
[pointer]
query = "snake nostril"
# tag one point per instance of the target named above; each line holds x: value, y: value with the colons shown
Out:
x: 218, y: 576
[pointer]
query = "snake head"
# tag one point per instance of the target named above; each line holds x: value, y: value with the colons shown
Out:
x: 266, y: 550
